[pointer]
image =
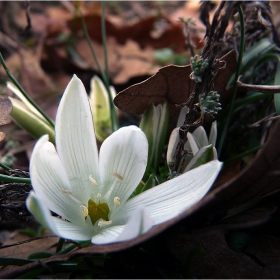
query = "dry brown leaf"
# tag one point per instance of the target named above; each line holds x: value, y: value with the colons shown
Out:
x: 2, y: 136
x: 215, y: 259
x: 125, y: 61
x: 24, y: 250
x: 257, y: 180
x: 139, y: 31
x: 6, y: 108
x: 171, y: 84
x: 228, y: 172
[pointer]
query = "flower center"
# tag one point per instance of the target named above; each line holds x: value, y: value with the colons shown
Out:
x: 98, y: 211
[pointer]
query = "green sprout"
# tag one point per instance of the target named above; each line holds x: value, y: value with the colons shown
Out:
x: 198, y: 66
x: 209, y: 102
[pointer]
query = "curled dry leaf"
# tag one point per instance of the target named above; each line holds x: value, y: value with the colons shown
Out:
x: 171, y: 84
x: 258, y: 180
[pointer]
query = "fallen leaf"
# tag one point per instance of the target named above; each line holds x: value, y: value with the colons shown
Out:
x: 140, y: 31
x: 5, y: 110
x: 257, y: 180
x: 2, y: 136
x: 22, y: 251
x: 125, y: 61
x: 213, y: 258
x: 228, y: 172
x: 172, y: 84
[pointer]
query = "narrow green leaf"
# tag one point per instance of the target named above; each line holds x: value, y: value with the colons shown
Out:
x: 60, y: 245
x: 203, y: 156
x: 39, y: 255
x: 14, y: 261
x: 154, y: 124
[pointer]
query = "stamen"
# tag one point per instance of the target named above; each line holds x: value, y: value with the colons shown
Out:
x: 104, y: 223
x: 70, y: 195
x: 117, y: 175
x: 66, y: 191
x: 93, y: 181
x: 85, y: 209
x: 117, y: 200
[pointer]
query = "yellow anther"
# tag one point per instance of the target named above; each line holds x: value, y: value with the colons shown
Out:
x: 117, y: 200
x: 66, y: 191
x: 85, y: 209
x: 104, y: 223
x: 93, y: 181
x: 117, y: 175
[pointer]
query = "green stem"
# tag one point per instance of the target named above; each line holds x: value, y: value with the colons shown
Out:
x: 60, y: 245
x: 241, y: 155
x: 114, y: 118
x: 5, y: 167
x: 104, y: 42
x: 10, y: 75
x: 6, y: 178
x: 91, y: 47
x: 237, y: 73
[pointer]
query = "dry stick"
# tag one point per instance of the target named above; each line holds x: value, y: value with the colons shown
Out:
x: 27, y: 241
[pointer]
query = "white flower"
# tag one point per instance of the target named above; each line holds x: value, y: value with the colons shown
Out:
x: 89, y: 192
x: 198, y: 145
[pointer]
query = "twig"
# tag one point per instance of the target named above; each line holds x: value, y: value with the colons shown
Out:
x: 26, y: 241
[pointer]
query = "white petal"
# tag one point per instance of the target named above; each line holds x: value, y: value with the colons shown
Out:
x: 215, y: 153
x: 193, y: 143
x: 182, y: 116
x: 107, y: 235
x: 123, y: 160
x: 213, y: 134
x: 57, y: 226
x: 171, y: 198
x: 48, y: 178
x: 75, y: 139
x: 200, y: 135
x: 139, y: 223
x: 172, y: 144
